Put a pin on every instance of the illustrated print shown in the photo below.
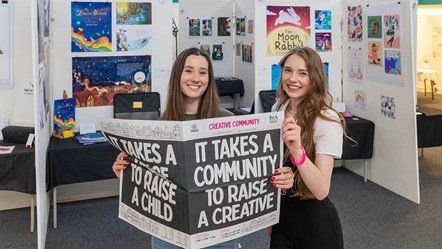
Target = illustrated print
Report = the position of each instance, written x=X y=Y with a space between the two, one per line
x=323 y=19
x=374 y=53
x=388 y=107
x=392 y=37
x=354 y=23
x=374 y=27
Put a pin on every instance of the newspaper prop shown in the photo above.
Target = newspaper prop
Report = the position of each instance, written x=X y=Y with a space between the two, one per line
x=202 y=182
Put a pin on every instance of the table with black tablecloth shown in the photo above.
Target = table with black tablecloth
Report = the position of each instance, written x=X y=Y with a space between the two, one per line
x=230 y=86
x=71 y=162
x=362 y=131
x=17 y=172
x=429 y=131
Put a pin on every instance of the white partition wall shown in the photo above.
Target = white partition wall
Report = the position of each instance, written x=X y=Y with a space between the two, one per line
x=388 y=99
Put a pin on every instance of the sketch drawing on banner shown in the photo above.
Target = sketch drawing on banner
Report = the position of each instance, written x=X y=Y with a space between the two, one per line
x=131 y=13
x=392 y=37
x=360 y=100
x=323 y=19
x=91 y=27
x=374 y=27
x=134 y=39
x=355 y=65
x=392 y=62
x=354 y=23
x=287 y=27
x=388 y=107
x=224 y=26
x=96 y=85
x=375 y=53
x=42 y=95
x=207 y=179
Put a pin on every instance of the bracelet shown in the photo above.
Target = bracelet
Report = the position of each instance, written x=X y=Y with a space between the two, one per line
x=304 y=156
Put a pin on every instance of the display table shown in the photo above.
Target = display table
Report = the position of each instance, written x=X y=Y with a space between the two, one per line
x=362 y=131
x=71 y=162
x=429 y=131
x=230 y=86
x=17 y=172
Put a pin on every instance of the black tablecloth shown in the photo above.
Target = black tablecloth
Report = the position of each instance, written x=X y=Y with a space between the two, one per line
x=17 y=169
x=362 y=131
x=429 y=131
x=228 y=86
x=71 y=162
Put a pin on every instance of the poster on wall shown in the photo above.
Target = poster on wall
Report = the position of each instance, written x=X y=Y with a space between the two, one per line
x=134 y=38
x=360 y=100
x=388 y=107
x=355 y=65
x=95 y=80
x=206 y=27
x=323 y=19
x=134 y=13
x=241 y=26
x=384 y=52
x=326 y=67
x=5 y=47
x=247 y=53
x=47 y=17
x=207 y=180
x=287 y=27
x=194 y=27
x=224 y=26
x=91 y=27
x=205 y=47
x=41 y=30
x=217 y=52
x=323 y=42
x=354 y=23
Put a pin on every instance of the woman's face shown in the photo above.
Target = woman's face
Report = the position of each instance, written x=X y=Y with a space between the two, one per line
x=195 y=76
x=295 y=77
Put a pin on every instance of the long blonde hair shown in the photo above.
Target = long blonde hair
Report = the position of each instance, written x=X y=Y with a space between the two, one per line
x=316 y=100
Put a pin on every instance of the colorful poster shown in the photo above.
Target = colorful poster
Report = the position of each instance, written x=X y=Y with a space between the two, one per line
x=354 y=23
x=241 y=26
x=326 y=71
x=207 y=27
x=360 y=100
x=323 y=19
x=91 y=29
x=217 y=53
x=392 y=62
x=374 y=27
x=134 y=38
x=392 y=38
x=323 y=42
x=247 y=53
x=224 y=26
x=95 y=80
x=276 y=74
x=355 y=65
x=287 y=27
x=194 y=27
x=375 y=53
x=133 y=13
x=64 y=113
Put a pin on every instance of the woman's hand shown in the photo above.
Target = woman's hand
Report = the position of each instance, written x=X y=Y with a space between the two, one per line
x=120 y=164
x=291 y=135
x=284 y=178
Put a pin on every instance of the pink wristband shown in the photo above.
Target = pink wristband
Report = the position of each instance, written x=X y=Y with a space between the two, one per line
x=304 y=156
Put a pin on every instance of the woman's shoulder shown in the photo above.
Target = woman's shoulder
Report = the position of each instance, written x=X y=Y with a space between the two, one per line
x=223 y=112
x=329 y=113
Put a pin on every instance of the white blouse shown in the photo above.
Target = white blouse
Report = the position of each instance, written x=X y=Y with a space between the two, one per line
x=327 y=135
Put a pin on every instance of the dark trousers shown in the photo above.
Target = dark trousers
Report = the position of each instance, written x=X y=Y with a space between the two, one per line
x=307 y=224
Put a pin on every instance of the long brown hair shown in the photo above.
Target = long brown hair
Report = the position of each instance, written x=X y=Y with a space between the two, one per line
x=316 y=100
x=209 y=104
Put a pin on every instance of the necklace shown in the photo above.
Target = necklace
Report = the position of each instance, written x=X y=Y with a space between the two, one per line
x=291 y=110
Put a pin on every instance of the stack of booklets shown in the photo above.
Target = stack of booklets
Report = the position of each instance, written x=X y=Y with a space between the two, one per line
x=91 y=138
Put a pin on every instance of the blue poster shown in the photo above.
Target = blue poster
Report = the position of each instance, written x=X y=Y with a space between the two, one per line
x=276 y=74
x=91 y=29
